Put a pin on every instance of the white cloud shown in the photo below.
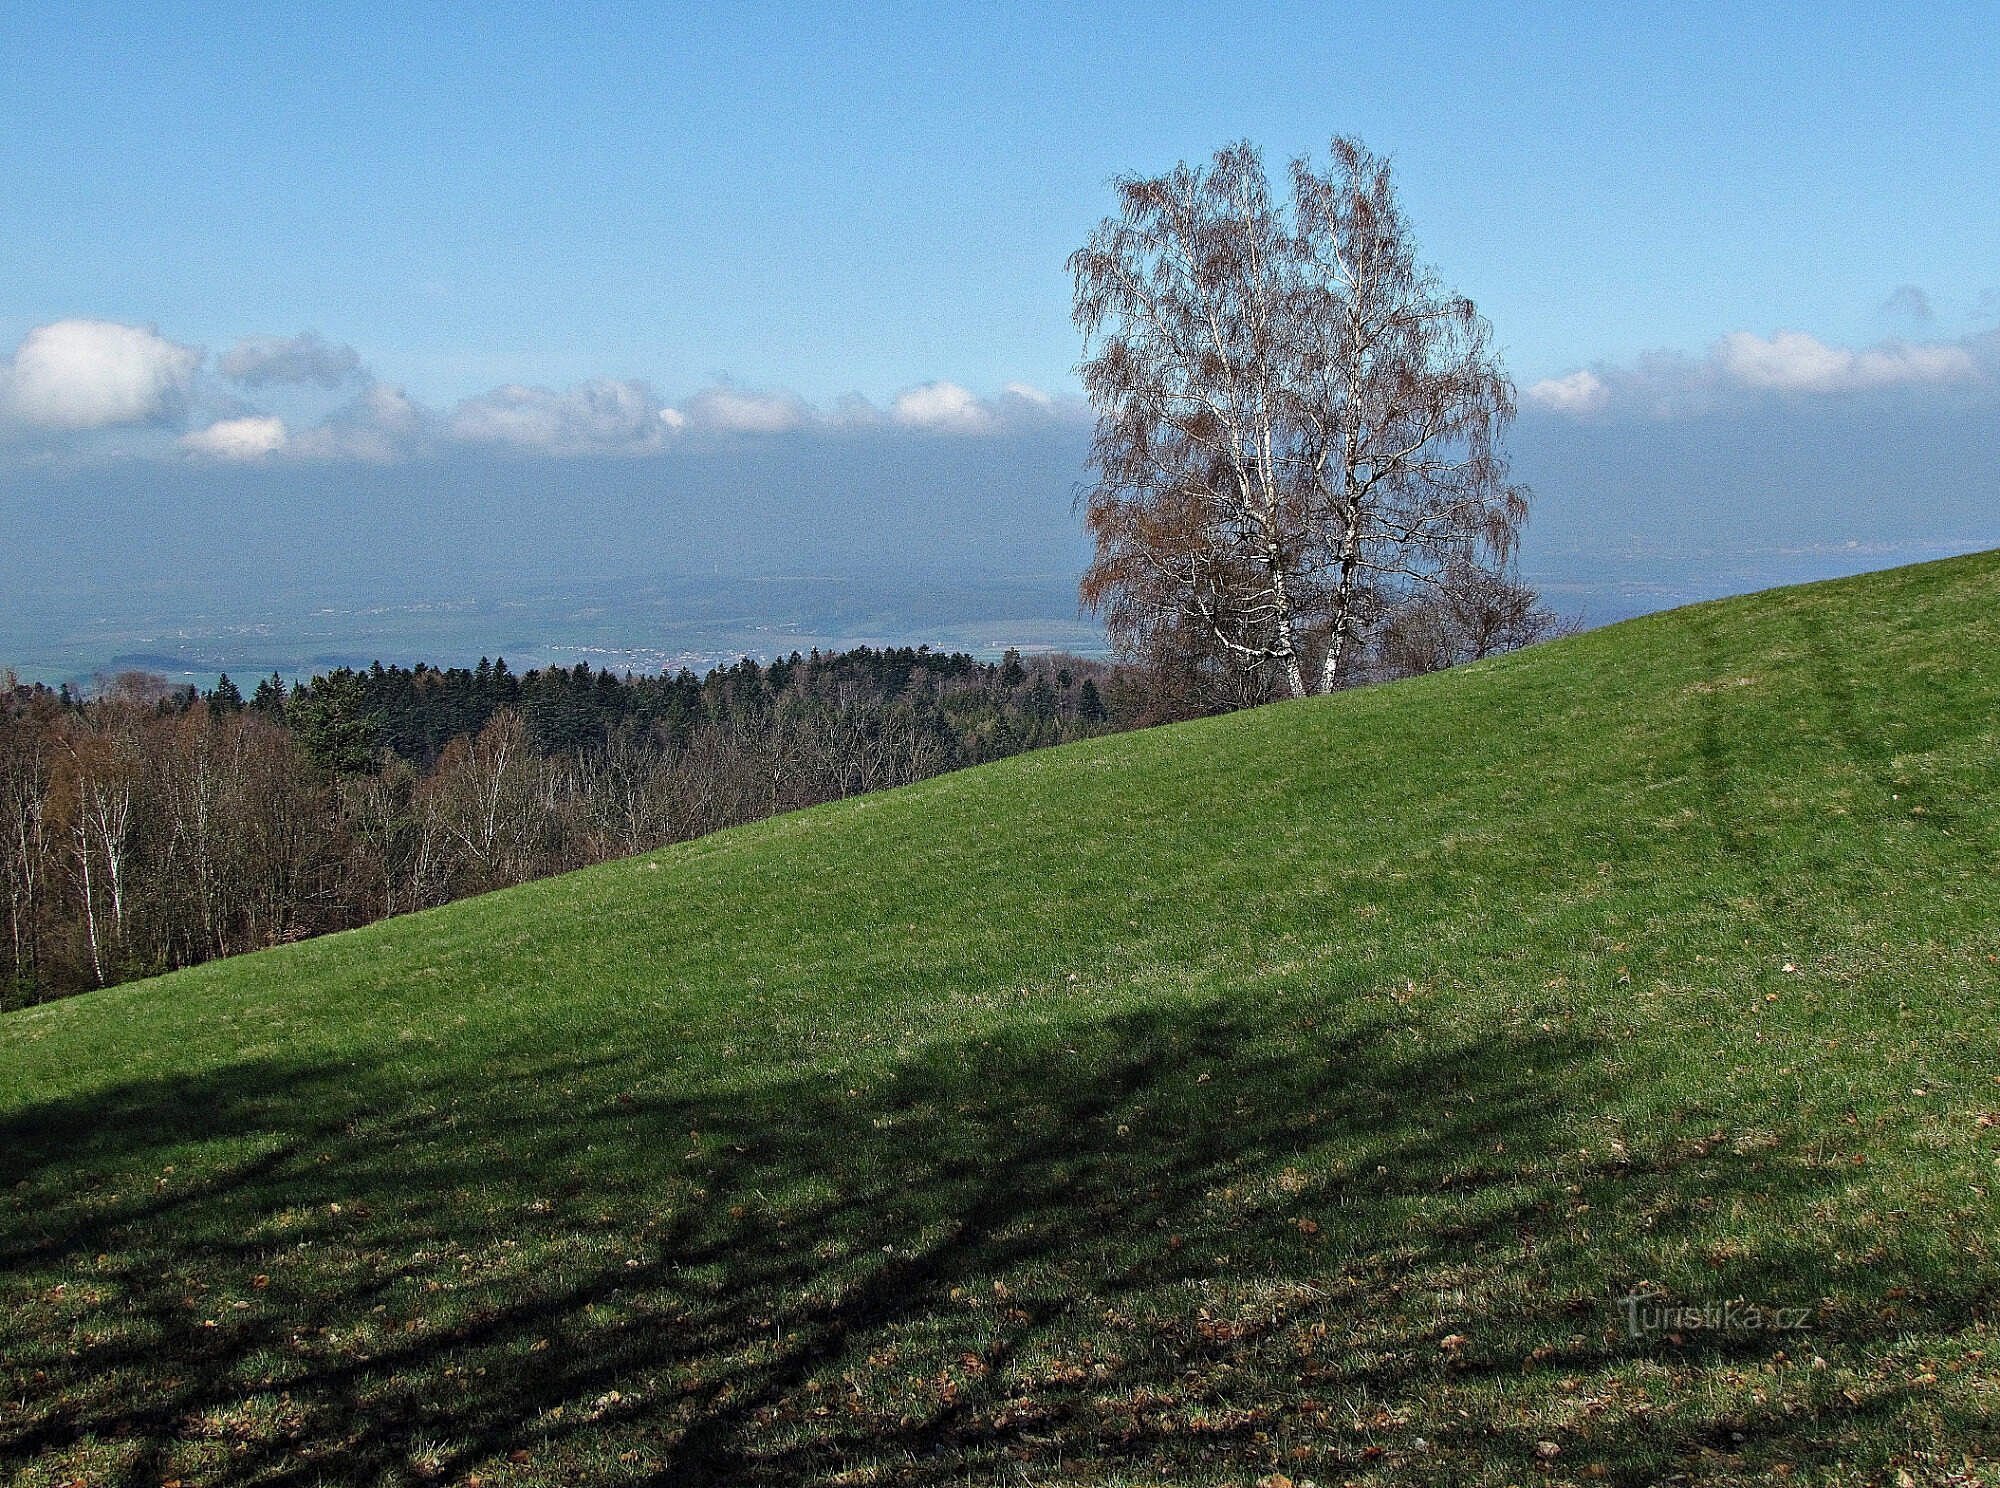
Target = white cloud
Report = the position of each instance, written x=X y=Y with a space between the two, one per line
x=1021 y=402
x=248 y=438
x=1579 y=392
x=73 y=377
x=938 y=407
x=728 y=409
x=92 y=374
x=1794 y=362
x=602 y=416
x=943 y=406
x=1742 y=368
x=379 y=425
x=262 y=361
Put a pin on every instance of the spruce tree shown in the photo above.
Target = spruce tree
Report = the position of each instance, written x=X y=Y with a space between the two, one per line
x=270 y=697
x=334 y=724
x=1089 y=706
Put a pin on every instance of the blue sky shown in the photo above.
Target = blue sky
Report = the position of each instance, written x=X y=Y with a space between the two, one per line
x=845 y=198
x=348 y=278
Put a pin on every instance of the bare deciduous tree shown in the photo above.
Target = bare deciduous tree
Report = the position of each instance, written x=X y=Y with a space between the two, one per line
x=1471 y=614
x=102 y=779
x=1297 y=424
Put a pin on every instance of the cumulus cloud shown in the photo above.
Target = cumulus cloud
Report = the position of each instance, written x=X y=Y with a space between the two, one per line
x=728 y=409
x=603 y=416
x=250 y=437
x=942 y=406
x=1794 y=362
x=1743 y=367
x=307 y=358
x=74 y=377
x=93 y=374
x=1578 y=392
x=378 y=425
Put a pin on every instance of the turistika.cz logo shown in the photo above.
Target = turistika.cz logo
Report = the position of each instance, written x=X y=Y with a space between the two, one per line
x=1650 y=1314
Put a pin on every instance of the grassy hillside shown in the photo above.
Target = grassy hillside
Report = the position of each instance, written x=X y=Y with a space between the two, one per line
x=1289 y=1095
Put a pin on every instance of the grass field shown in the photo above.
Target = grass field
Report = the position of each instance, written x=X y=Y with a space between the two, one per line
x=1291 y=1096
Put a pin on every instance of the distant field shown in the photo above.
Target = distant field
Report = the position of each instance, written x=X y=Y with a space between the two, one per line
x=1292 y=1096
x=697 y=621
x=182 y=630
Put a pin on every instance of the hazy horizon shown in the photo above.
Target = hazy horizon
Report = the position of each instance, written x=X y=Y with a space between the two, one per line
x=696 y=555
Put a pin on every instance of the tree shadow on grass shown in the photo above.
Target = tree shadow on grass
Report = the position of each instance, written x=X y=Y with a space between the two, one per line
x=1205 y=1245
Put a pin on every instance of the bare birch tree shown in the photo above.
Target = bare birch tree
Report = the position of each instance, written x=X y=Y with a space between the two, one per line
x=1297 y=424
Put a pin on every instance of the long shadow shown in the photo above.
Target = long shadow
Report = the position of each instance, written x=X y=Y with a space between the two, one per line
x=1164 y=1245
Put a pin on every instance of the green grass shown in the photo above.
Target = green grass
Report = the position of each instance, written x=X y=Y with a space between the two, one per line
x=1294 y=1093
